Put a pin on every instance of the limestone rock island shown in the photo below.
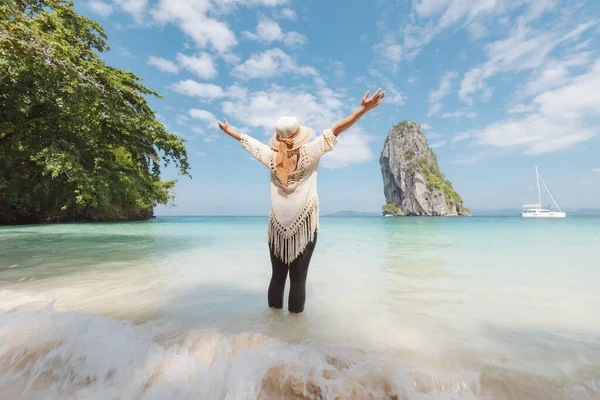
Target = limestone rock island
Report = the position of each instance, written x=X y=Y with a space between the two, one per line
x=412 y=181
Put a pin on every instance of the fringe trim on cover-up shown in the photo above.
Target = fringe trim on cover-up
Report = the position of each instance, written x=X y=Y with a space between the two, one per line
x=288 y=244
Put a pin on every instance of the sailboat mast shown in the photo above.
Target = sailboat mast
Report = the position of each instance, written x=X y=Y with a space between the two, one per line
x=537 y=181
x=551 y=195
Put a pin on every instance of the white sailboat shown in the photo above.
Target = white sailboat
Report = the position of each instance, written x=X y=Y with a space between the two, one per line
x=536 y=210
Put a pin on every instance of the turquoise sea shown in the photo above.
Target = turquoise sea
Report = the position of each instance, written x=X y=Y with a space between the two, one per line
x=397 y=308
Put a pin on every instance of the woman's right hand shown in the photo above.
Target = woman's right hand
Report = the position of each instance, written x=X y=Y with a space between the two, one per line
x=224 y=126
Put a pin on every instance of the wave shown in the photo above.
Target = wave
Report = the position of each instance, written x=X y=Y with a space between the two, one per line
x=54 y=354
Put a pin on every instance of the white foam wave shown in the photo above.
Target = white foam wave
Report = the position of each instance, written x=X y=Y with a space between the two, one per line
x=52 y=354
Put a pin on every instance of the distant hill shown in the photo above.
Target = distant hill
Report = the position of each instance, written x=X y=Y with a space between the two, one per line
x=349 y=213
x=517 y=211
x=505 y=212
x=586 y=211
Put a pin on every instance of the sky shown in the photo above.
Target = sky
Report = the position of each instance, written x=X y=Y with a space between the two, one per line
x=499 y=86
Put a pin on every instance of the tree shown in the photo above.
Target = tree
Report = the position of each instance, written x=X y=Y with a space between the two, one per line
x=391 y=209
x=78 y=140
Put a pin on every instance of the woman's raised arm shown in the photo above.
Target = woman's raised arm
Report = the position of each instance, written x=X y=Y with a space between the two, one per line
x=224 y=126
x=367 y=104
x=258 y=150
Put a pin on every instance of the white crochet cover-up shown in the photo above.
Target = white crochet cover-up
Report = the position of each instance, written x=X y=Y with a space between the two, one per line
x=294 y=217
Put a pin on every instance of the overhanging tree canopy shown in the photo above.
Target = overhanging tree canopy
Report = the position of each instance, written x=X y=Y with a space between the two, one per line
x=78 y=140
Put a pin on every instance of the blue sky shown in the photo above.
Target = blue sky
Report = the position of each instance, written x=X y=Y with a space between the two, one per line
x=498 y=85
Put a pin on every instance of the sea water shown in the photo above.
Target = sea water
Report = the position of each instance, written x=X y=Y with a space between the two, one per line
x=397 y=308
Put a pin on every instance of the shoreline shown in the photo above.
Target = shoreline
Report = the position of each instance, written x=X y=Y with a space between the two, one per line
x=61 y=220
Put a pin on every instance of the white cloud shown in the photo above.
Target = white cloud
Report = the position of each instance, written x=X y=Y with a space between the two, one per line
x=430 y=18
x=136 y=8
x=182 y=119
x=521 y=108
x=191 y=17
x=237 y=92
x=583 y=45
x=266 y=30
x=260 y=109
x=201 y=65
x=556 y=73
x=538 y=8
x=392 y=95
x=586 y=181
x=478 y=30
x=288 y=13
x=230 y=58
x=436 y=97
x=426 y=127
x=319 y=109
x=434 y=108
x=562 y=117
x=192 y=88
x=200 y=154
x=125 y=52
x=270 y=63
x=100 y=8
x=596 y=170
x=198 y=19
x=339 y=69
x=428 y=8
x=353 y=148
x=163 y=64
x=294 y=39
x=457 y=114
x=203 y=115
x=523 y=49
x=269 y=31
x=198 y=131
x=579 y=30
x=250 y=3
x=390 y=52
x=437 y=144
x=210 y=138
x=472 y=158
x=460 y=137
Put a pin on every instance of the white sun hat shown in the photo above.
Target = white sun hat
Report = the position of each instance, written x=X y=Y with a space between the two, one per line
x=288 y=129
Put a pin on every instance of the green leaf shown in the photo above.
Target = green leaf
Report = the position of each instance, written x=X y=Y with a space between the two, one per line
x=78 y=139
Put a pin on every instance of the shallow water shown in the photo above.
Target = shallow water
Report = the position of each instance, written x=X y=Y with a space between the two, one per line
x=407 y=308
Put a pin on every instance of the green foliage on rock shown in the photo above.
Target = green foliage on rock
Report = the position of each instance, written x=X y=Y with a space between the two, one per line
x=78 y=140
x=400 y=125
x=410 y=169
x=391 y=209
x=437 y=180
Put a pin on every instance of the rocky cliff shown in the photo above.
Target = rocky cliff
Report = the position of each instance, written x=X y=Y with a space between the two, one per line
x=412 y=181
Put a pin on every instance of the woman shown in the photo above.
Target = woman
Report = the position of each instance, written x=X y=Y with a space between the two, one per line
x=294 y=216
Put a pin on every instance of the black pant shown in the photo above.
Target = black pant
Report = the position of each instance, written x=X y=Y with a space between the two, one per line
x=298 y=272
